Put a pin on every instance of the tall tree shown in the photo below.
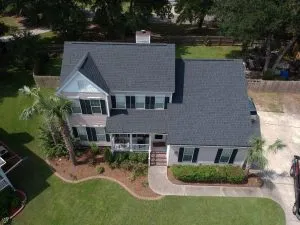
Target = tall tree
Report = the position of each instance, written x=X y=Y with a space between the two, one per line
x=192 y=11
x=249 y=20
x=52 y=108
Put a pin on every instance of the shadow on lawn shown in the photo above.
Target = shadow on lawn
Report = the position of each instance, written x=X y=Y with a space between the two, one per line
x=32 y=174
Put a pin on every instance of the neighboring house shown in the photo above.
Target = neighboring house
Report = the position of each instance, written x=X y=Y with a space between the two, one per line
x=138 y=97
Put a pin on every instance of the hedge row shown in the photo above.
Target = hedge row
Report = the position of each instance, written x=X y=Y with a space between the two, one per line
x=209 y=174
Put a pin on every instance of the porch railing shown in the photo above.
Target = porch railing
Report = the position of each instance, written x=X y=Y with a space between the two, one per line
x=140 y=147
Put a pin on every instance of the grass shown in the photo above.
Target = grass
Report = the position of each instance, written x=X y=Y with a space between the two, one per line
x=9 y=21
x=207 y=52
x=51 y=201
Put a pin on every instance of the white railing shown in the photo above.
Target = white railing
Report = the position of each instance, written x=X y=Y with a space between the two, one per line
x=140 y=147
x=121 y=147
x=3 y=184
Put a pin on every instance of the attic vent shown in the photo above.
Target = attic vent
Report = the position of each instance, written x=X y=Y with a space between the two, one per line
x=142 y=37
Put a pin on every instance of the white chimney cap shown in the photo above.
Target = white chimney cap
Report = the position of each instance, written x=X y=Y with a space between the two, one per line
x=142 y=37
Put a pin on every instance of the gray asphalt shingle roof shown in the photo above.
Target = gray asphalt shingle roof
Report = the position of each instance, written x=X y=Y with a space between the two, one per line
x=125 y=66
x=211 y=104
x=137 y=121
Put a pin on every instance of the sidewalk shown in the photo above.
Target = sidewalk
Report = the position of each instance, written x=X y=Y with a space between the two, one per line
x=160 y=184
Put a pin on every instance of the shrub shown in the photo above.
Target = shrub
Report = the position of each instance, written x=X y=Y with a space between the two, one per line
x=209 y=174
x=127 y=165
x=119 y=157
x=139 y=157
x=139 y=169
x=108 y=157
x=8 y=200
x=114 y=165
x=100 y=169
x=94 y=148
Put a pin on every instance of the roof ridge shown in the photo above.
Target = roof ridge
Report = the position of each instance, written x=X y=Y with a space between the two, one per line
x=114 y=43
x=214 y=60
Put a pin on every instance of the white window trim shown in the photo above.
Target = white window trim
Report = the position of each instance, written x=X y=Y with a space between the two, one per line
x=118 y=95
x=144 y=101
x=104 y=134
x=226 y=149
x=98 y=99
x=159 y=96
x=187 y=154
x=85 y=132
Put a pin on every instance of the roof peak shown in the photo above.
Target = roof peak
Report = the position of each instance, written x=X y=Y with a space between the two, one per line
x=114 y=43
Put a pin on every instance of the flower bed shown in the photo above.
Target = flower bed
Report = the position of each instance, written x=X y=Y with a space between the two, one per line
x=11 y=204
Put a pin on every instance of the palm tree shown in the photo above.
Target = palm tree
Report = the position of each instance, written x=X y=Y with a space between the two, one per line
x=256 y=153
x=53 y=109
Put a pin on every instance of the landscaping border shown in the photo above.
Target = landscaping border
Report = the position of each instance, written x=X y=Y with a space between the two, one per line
x=22 y=206
x=106 y=178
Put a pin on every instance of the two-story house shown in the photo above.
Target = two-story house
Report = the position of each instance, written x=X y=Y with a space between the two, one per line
x=138 y=97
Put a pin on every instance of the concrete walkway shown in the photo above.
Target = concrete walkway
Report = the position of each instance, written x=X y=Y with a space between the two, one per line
x=159 y=183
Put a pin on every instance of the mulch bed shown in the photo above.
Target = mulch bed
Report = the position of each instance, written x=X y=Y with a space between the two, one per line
x=65 y=168
x=253 y=181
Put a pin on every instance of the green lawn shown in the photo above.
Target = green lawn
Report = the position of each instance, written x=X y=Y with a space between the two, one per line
x=9 y=21
x=53 y=202
x=207 y=52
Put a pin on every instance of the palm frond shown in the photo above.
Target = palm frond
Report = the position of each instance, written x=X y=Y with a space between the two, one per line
x=276 y=146
x=28 y=113
x=32 y=92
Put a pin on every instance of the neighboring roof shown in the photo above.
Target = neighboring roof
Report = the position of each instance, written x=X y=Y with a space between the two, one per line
x=90 y=70
x=211 y=104
x=124 y=66
x=137 y=121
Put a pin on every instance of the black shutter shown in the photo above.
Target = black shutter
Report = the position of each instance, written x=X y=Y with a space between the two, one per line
x=83 y=108
x=107 y=137
x=94 y=135
x=180 y=155
x=103 y=107
x=127 y=102
x=88 y=107
x=152 y=102
x=75 y=133
x=218 y=156
x=167 y=99
x=195 y=156
x=113 y=102
x=232 y=157
x=132 y=99
x=147 y=102
x=89 y=133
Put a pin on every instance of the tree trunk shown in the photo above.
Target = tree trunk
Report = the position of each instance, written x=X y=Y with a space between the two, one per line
x=66 y=137
x=52 y=132
x=268 y=54
x=279 y=57
x=200 y=22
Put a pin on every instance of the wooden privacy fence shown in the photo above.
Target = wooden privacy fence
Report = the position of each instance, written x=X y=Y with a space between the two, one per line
x=46 y=81
x=273 y=85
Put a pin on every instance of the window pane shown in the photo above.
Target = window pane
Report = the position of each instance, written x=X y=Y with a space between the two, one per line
x=76 y=106
x=101 y=138
x=82 y=133
x=226 y=153
x=120 y=102
x=187 y=154
x=139 y=102
x=100 y=130
x=159 y=102
x=96 y=109
x=81 y=84
x=95 y=102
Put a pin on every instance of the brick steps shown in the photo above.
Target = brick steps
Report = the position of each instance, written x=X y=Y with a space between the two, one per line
x=158 y=158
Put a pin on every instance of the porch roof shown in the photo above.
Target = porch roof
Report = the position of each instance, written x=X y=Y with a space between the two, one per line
x=137 y=121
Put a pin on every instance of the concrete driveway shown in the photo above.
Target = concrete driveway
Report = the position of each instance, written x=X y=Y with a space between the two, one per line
x=285 y=126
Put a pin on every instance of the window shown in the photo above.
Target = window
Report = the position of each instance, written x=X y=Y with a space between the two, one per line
x=120 y=102
x=158 y=136
x=96 y=106
x=159 y=102
x=76 y=106
x=188 y=154
x=140 y=102
x=226 y=154
x=100 y=132
x=82 y=133
x=81 y=84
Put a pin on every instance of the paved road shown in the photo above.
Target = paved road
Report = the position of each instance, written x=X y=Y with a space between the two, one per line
x=278 y=185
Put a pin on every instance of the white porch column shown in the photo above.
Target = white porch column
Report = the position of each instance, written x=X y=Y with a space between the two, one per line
x=150 y=149
x=130 y=142
x=168 y=154
x=2 y=174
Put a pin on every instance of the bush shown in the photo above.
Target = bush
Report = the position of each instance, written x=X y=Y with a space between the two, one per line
x=108 y=157
x=139 y=157
x=114 y=165
x=119 y=157
x=139 y=169
x=8 y=200
x=268 y=75
x=100 y=169
x=127 y=165
x=94 y=148
x=209 y=174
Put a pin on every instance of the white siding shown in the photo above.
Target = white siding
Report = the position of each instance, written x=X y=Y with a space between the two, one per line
x=88 y=86
x=206 y=155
